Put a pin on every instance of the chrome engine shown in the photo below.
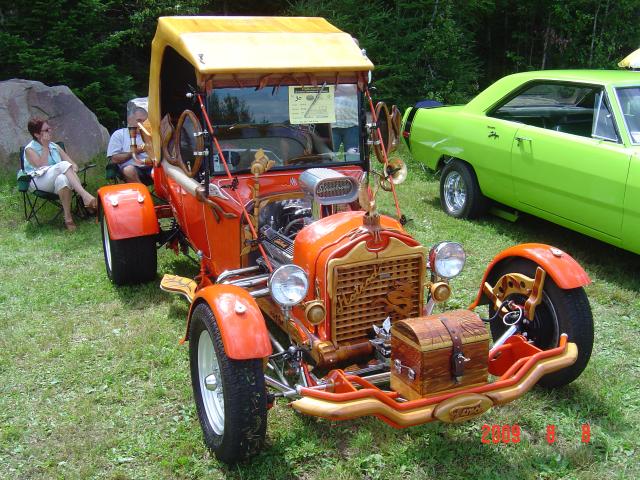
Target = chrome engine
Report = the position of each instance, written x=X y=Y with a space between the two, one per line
x=282 y=220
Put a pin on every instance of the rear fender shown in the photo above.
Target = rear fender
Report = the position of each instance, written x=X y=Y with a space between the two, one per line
x=559 y=265
x=129 y=210
x=240 y=321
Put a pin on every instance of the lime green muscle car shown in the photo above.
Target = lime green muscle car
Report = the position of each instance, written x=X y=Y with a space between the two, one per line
x=561 y=145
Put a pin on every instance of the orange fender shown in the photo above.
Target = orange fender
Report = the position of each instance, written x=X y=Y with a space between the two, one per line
x=129 y=210
x=240 y=321
x=563 y=269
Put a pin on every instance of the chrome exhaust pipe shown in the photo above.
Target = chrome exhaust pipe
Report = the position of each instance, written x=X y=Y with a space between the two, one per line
x=249 y=282
x=237 y=272
x=287 y=392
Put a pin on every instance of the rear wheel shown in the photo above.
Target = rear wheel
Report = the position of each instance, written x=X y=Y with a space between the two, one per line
x=460 y=194
x=561 y=311
x=131 y=260
x=230 y=395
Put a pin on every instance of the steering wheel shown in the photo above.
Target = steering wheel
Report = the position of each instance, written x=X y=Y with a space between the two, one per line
x=188 y=147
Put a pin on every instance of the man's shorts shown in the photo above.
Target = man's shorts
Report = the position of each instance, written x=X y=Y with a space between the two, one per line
x=144 y=173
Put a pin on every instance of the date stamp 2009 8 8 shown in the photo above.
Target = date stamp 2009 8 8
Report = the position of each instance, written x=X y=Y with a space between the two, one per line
x=494 y=434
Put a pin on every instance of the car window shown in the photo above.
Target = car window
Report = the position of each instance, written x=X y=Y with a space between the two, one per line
x=629 y=99
x=562 y=107
x=603 y=126
x=549 y=94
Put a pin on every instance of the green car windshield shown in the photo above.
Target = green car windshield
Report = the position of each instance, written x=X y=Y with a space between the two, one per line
x=295 y=126
x=629 y=98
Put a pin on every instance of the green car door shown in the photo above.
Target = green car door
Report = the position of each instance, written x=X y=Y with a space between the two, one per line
x=573 y=168
x=576 y=178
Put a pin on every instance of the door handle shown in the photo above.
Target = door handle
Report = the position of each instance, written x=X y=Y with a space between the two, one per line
x=522 y=139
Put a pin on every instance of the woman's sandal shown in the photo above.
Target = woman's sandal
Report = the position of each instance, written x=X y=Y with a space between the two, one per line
x=70 y=225
x=92 y=206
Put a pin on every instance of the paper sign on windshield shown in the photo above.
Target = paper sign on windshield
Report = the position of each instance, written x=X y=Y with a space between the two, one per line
x=310 y=104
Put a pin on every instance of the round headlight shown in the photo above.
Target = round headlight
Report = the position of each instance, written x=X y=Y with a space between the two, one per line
x=288 y=285
x=447 y=259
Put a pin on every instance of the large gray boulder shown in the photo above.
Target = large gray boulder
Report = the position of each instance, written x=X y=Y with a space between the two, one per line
x=72 y=122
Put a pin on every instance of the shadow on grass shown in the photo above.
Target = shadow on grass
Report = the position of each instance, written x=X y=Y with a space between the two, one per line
x=607 y=261
x=594 y=408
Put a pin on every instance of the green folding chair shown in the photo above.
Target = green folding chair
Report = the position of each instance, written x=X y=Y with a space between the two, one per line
x=112 y=173
x=34 y=199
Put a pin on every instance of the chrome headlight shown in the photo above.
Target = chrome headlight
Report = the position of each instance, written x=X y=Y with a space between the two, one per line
x=447 y=259
x=288 y=285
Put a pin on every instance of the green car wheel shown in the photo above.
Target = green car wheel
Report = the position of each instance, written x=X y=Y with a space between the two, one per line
x=460 y=194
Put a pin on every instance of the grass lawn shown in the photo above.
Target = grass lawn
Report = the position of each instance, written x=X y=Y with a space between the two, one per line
x=93 y=383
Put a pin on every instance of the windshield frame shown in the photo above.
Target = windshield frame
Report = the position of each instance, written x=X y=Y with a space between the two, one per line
x=624 y=119
x=363 y=151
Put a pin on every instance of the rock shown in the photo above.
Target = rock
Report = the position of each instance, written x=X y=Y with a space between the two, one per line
x=72 y=122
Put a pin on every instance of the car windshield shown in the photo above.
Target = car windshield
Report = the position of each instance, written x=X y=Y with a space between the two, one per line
x=295 y=126
x=629 y=98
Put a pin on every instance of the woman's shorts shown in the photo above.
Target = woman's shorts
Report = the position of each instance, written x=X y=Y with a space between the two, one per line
x=53 y=179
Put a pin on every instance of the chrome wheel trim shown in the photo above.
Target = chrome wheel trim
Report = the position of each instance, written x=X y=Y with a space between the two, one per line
x=210 y=383
x=106 y=243
x=455 y=192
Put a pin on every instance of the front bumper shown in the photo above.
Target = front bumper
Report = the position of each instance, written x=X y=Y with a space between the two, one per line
x=347 y=402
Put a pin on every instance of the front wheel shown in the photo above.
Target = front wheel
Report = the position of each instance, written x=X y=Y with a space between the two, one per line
x=230 y=395
x=130 y=260
x=460 y=194
x=561 y=311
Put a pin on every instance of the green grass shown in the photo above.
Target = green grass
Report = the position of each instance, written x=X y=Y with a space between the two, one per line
x=93 y=383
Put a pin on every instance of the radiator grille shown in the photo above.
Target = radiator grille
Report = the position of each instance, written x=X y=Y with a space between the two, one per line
x=366 y=294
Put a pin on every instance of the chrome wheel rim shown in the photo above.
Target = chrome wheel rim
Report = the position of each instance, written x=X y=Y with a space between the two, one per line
x=455 y=192
x=210 y=383
x=106 y=243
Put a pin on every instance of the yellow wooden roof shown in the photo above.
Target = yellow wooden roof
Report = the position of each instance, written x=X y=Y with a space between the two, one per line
x=241 y=45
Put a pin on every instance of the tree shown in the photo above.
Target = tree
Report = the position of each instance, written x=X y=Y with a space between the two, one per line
x=417 y=46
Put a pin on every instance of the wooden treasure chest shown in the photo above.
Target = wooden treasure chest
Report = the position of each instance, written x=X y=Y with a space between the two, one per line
x=439 y=352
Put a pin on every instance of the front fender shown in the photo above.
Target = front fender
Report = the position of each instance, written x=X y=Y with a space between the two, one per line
x=240 y=321
x=129 y=210
x=563 y=269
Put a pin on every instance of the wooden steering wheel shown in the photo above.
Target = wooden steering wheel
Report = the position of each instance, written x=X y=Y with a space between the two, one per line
x=181 y=147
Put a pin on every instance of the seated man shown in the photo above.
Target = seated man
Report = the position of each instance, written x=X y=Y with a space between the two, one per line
x=132 y=165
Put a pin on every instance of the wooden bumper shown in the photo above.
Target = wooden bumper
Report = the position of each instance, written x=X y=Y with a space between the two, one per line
x=451 y=408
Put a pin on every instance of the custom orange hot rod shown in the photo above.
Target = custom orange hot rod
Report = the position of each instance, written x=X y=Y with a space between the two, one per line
x=260 y=132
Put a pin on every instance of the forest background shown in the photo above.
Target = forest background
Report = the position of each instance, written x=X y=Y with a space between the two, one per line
x=446 y=50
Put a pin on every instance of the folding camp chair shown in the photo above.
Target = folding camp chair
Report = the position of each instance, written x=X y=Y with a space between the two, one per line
x=112 y=173
x=34 y=200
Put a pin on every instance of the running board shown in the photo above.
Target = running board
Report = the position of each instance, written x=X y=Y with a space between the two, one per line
x=181 y=285
x=505 y=213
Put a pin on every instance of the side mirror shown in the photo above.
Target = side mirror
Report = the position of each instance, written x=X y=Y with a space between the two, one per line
x=188 y=144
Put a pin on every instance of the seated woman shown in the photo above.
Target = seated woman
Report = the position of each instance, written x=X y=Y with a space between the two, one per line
x=53 y=170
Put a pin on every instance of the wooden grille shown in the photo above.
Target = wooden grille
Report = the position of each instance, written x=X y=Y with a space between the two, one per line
x=366 y=294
